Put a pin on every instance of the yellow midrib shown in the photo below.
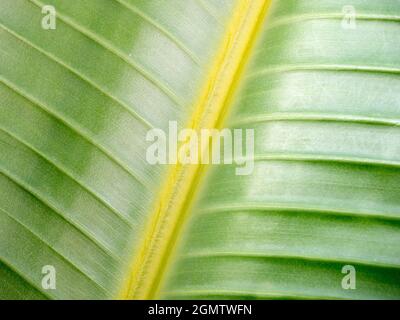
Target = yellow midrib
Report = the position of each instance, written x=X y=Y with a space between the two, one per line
x=150 y=264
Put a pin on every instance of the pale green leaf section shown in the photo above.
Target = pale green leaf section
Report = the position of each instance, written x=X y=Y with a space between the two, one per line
x=324 y=102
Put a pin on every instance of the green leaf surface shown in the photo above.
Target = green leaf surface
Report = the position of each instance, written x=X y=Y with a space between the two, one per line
x=324 y=102
x=77 y=193
x=75 y=106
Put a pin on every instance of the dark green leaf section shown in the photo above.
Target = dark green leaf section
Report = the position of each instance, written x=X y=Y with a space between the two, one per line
x=75 y=106
x=16 y=288
x=324 y=101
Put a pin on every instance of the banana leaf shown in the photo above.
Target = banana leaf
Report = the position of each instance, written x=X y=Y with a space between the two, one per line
x=84 y=81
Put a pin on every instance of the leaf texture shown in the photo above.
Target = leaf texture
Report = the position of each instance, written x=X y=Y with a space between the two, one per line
x=77 y=193
x=76 y=104
x=324 y=102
